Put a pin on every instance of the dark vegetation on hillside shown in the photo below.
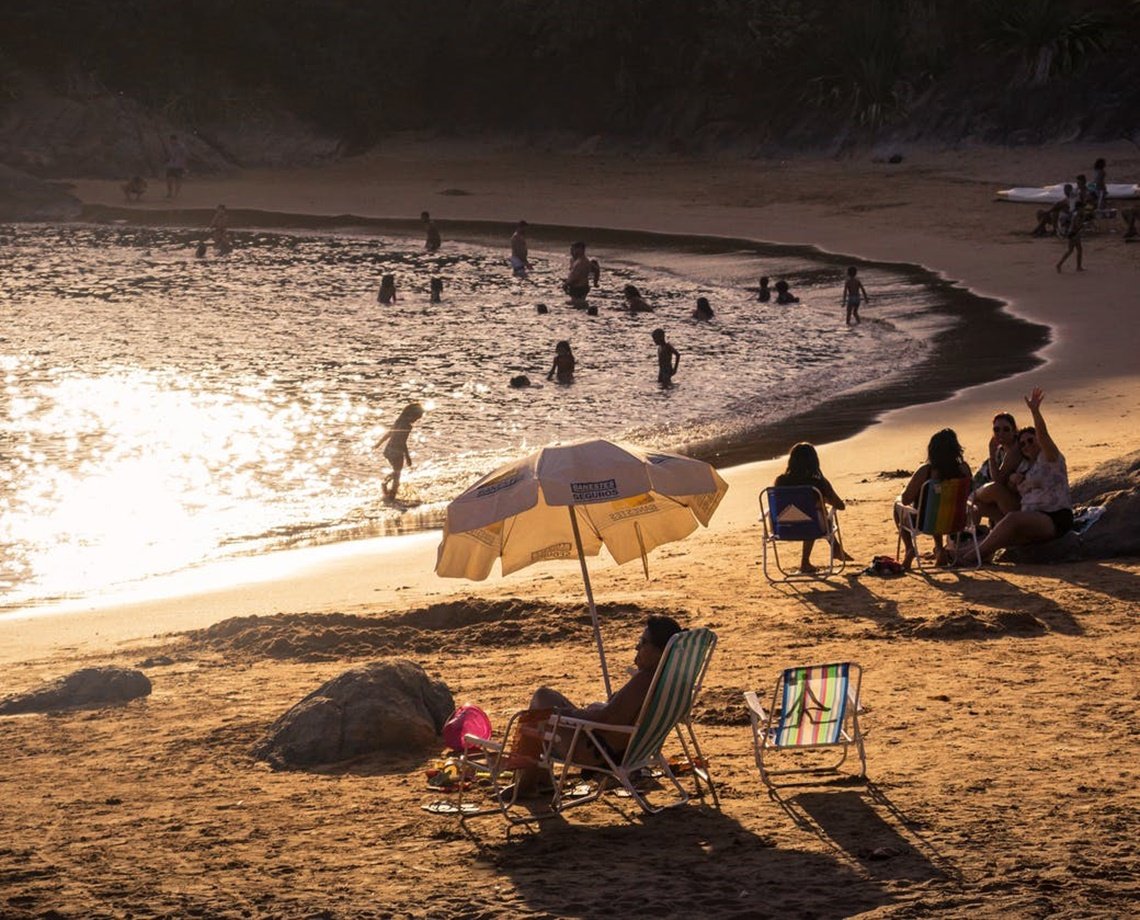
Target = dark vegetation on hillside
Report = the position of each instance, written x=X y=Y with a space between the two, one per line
x=795 y=72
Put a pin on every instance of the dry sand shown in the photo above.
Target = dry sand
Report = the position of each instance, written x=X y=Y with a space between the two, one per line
x=1001 y=705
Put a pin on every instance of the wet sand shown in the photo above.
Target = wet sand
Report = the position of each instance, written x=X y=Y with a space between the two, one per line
x=1000 y=704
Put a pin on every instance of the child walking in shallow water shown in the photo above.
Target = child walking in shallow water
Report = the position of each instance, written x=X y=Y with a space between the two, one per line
x=563 y=363
x=853 y=294
x=668 y=359
x=387 y=289
x=396 y=452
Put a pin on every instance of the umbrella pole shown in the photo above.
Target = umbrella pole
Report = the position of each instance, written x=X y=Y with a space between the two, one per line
x=590 y=599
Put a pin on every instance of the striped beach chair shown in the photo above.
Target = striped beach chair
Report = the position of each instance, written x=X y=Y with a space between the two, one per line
x=944 y=509
x=794 y=514
x=667 y=711
x=813 y=707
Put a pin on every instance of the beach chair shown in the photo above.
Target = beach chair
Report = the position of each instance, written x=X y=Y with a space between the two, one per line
x=793 y=514
x=488 y=768
x=945 y=509
x=667 y=710
x=812 y=707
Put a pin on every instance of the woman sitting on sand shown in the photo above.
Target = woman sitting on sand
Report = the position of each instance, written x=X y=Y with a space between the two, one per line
x=993 y=496
x=944 y=460
x=1046 y=511
x=803 y=470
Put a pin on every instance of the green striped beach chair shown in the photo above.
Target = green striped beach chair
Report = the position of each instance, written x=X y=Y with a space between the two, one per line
x=812 y=707
x=667 y=710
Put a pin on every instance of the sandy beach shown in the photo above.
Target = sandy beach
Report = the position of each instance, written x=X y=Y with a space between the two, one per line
x=1000 y=703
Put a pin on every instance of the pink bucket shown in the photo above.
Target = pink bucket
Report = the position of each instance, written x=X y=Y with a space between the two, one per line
x=466 y=720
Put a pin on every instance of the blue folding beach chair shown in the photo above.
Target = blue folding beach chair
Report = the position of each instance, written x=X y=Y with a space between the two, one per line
x=795 y=514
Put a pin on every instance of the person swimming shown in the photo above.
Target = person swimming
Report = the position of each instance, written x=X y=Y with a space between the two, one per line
x=634 y=301
x=563 y=366
x=436 y=290
x=703 y=310
x=765 y=294
x=784 y=294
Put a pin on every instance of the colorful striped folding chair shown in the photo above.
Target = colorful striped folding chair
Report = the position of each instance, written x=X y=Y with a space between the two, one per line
x=944 y=509
x=812 y=707
x=795 y=514
x=667 y=710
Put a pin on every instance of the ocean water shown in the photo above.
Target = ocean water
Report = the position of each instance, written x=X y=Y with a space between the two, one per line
x=159 y=410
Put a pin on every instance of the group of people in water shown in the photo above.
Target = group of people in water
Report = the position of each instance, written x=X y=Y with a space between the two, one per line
x=1018 y=496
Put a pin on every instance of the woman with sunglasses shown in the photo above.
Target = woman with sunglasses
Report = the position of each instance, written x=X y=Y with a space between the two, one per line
x=1046 y=511
x=993 y=496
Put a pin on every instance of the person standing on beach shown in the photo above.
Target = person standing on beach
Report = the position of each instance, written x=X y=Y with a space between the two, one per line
x=176 y=160
x=520 y=262
x=396 y=453
x=668 y=359
x=432 y=241
x=577 y=283
x=853 y=294
x=1073 y=238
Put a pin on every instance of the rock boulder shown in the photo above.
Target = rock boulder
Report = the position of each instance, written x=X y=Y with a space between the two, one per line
x=381 y=706
x=89 y=687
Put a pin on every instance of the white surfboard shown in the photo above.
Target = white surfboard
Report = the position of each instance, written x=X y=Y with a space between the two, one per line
x=1051 y=193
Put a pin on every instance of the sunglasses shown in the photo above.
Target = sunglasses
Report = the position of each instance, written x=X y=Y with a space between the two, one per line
x=1002 y=428
x=1022 y=442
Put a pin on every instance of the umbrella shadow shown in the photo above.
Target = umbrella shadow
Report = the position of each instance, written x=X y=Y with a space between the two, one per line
x=866 y=826
x=684 y=862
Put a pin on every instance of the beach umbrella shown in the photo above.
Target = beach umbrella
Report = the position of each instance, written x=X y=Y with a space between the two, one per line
x=568 y=502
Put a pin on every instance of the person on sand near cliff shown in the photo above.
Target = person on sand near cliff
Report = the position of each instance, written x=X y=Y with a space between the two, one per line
x=1046 y=511
x=577 y=283
x=432 y=240
x=1099 y=184
x=134 y=188
x=853 y=294
x=520 y=252
x=623 y=708
x=396 y=453
x=1048 y=218
x=176 y=160
x=1073 y=239
x=668 y=359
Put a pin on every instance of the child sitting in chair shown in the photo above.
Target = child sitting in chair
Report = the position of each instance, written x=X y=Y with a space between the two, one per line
x=803 y=470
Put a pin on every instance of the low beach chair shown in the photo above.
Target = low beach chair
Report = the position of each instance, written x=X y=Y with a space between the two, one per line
x=667 y=710
x=526 y=741
x=795 y=514
x=944 y=510
x=812 y=707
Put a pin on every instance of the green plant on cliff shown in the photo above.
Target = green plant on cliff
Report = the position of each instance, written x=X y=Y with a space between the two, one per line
x=1048 y=38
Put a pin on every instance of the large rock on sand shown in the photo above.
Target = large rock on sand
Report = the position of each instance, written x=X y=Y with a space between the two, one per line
x=382 y=706
x=24 y=197
x=89 y=687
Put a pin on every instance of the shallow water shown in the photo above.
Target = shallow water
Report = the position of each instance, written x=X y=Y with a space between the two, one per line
x=161 y=410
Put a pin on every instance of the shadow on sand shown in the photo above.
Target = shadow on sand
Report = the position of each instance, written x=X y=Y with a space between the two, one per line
x=684 y=862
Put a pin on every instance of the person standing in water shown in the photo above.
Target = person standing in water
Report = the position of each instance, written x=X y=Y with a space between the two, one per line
x=853 y=294
x=396 y=453
x=387 y=292
x=577 y=283
x=520 y=261
x=668 y=359
x=432 y=240
x=563 y=365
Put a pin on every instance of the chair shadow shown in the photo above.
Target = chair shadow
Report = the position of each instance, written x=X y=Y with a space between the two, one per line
x=866 y=826
x=995 y=590
x=687 y=861
x=852 y=600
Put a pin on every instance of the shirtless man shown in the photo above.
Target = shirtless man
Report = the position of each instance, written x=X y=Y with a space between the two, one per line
x=432 y=241
x=520 y=263
x=577 y=283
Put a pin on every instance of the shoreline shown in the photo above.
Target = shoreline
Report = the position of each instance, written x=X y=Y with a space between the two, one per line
x=937 y=375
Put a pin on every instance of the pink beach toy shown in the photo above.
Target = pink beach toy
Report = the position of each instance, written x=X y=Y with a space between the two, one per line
x=466 y=720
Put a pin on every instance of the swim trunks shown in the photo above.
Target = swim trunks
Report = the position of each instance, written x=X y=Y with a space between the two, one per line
x=577 y=290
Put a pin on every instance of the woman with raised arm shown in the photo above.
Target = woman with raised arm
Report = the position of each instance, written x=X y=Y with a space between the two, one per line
x=1046 y=511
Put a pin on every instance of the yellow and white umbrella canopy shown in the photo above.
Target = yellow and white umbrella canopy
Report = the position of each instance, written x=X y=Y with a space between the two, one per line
x=568 y=501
